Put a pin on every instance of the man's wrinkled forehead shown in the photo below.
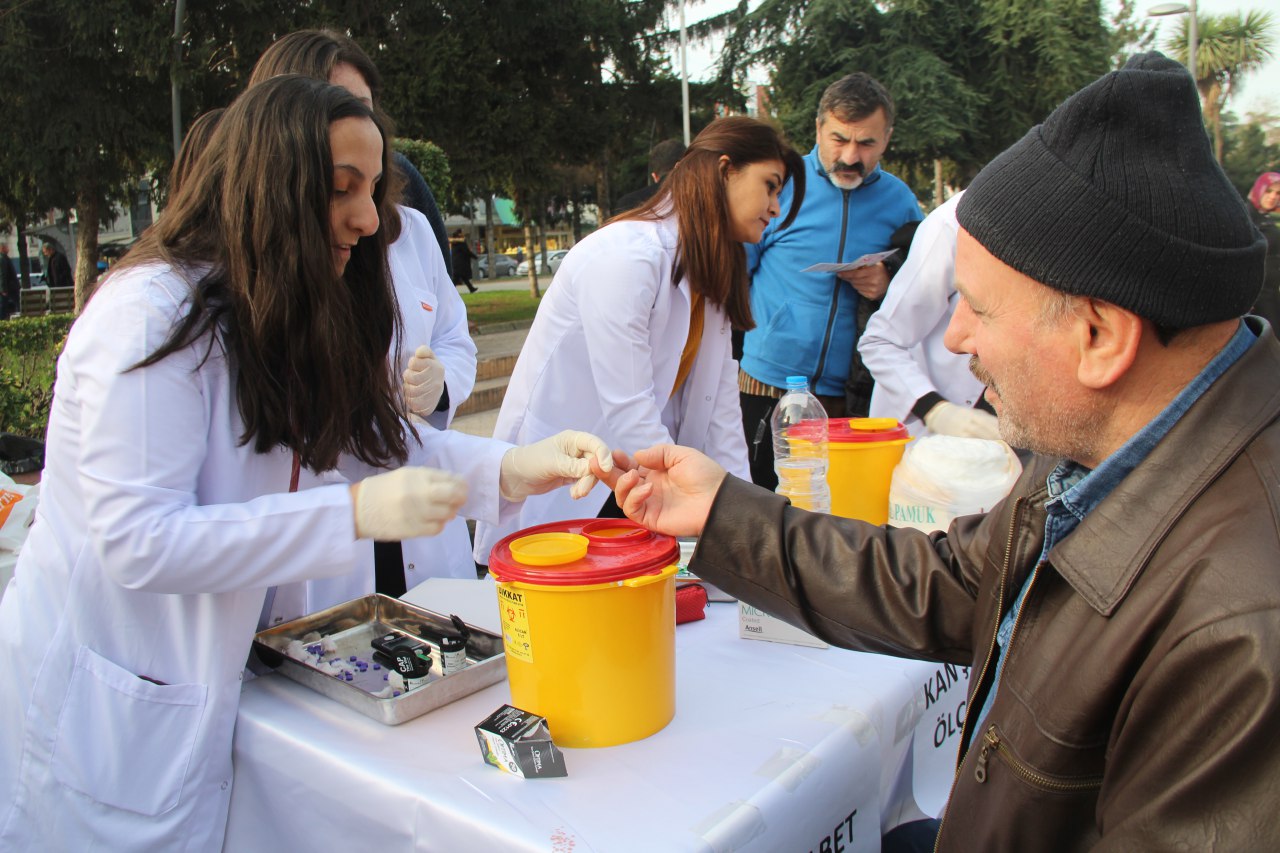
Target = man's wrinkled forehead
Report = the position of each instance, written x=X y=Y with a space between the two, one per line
x=867 y=130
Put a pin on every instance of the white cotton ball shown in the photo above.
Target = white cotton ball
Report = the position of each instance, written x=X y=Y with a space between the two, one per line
x=339 y=666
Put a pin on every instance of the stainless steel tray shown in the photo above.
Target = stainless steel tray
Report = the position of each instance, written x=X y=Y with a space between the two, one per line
x=345 y=631
x=687 y=546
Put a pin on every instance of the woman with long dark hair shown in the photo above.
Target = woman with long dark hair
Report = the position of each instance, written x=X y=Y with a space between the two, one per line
x=436 y=354
x=632 y=341
x=202 y=401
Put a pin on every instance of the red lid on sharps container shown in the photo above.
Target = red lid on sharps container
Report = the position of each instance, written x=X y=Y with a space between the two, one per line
x=846 y=430
x=582 y=552
x=851 y=430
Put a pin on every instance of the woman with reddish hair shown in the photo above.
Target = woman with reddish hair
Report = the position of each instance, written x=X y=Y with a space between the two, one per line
x=633 y=339
x=1264 y=206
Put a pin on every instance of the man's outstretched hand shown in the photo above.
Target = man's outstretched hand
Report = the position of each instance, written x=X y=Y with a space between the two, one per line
x=666 y=488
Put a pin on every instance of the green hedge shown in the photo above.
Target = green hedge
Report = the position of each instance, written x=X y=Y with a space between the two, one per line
x=29 y=348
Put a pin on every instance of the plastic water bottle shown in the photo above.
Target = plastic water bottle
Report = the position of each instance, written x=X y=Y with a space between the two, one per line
x=800 y=447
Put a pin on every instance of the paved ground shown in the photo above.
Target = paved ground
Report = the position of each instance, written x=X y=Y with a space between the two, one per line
x=480 y=423
x=510 y=283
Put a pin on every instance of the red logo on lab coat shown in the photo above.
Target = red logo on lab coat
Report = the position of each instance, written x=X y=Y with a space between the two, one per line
x=426 y=307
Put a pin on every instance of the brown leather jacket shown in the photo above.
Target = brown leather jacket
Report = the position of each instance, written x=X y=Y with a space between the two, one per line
x=1139 y=706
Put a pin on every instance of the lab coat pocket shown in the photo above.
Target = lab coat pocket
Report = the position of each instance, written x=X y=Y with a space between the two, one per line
x=124 y=741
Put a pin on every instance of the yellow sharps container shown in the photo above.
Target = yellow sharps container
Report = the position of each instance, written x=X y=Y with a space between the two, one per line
x=588 y=627
x=862 y=453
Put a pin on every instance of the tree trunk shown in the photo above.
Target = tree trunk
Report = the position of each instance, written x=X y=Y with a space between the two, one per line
x=602 y=187
x=534 y=292
x=542 y=241
x=24 y=259
x=1212 y=108
x=937 y=183
x=488 y=232
x=87 y=214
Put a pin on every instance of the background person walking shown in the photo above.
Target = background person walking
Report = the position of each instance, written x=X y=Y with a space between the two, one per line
x=463 y=255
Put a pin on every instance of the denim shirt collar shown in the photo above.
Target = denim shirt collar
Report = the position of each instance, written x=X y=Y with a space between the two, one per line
x=1075 y=490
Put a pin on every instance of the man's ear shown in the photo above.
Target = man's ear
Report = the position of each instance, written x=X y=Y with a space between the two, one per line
x=1108 y=337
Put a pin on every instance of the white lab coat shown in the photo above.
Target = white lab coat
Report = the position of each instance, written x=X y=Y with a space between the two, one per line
x=602 y=356
x=902 y=345
x=157 y=534
x=432 y=309
x=434 y=314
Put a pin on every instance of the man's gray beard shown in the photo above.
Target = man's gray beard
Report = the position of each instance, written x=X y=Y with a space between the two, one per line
x=846 y=176
x=1059 y=431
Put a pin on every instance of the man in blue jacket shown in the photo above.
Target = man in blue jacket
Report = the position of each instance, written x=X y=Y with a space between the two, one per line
x=808 y=323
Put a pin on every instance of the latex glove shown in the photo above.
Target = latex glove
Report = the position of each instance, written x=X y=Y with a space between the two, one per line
x=556 y=461
x=406 y=503
x=423 y=382
x=949 y=419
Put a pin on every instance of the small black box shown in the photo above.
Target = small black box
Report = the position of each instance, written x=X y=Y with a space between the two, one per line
x=519 y=742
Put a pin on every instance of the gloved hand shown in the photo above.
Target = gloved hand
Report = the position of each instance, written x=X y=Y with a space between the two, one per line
x=556 y=461
x=406 y=503
x=423 y=382
x=949 y=419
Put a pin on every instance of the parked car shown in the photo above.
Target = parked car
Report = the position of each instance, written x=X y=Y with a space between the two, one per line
x=552 y=264
x=505 y=265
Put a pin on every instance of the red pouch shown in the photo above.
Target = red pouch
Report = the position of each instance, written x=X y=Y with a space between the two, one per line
x=691 y=602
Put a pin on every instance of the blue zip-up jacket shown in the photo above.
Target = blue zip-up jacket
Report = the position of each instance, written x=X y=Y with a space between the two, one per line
x=806 y=323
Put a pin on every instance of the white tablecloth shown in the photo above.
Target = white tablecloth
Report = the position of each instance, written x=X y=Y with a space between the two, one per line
x=773 y=747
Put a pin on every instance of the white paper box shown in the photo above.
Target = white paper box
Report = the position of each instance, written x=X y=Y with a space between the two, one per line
x=755 y=624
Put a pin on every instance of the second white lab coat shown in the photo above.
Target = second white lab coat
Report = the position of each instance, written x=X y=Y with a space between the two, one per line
x=902 y=345
x=602 y=356
x=127 y=624
x=434 y=314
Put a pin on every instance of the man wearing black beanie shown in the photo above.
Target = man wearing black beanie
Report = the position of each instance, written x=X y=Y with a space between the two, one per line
x=1120 y=610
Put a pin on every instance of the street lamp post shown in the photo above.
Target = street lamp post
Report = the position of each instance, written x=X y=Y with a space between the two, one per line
x=175 y=93
x=684 y=73
x=1188 y=8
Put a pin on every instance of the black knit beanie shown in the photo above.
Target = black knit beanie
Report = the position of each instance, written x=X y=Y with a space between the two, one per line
x=1118 y=196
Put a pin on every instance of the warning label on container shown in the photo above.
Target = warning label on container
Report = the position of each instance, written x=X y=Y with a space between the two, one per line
x=515 y=624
